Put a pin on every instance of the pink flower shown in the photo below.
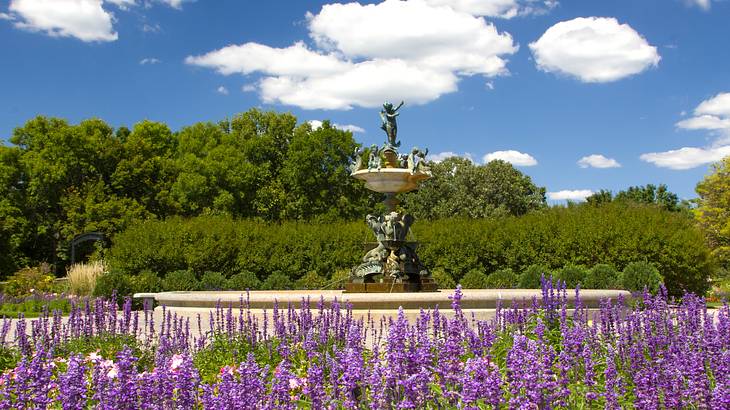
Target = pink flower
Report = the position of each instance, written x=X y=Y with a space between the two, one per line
x=113 y=372
x=93 y=357
x=227 y=369
x=177 y=361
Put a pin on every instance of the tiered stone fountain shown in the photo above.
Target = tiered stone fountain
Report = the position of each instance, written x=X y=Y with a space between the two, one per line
x=391 y=264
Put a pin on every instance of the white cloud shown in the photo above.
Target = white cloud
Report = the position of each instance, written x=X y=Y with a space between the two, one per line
x=598 y=161
x=438 y=157
x=703 y=4
x=85 y=20
x=712 y=115
x=348 y=127
x=570 y=195
x=497 y=8
x=222 y=90
x=5 y=16
x=248 y=88
x=122 y=4
x=149 y=60
x=489 y=85
x=516 y=158
x=177 y=4
x=686 y=157
x=594 y=50
x=151 y=28
x=357 y=63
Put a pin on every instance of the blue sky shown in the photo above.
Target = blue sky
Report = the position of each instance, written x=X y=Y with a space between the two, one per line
x=582 y=95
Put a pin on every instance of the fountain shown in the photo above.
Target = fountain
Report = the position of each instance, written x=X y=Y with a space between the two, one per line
x=390 y=264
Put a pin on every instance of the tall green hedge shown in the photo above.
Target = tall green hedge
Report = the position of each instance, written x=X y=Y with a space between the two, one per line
x=614 y=234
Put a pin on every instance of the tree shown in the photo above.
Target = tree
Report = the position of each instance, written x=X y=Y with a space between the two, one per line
x=460 y=188
x=647 y=195
x=713 y=210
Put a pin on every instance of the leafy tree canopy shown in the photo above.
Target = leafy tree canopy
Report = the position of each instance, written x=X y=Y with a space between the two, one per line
x=713 y=210
x=648 y=195
x=460 y=188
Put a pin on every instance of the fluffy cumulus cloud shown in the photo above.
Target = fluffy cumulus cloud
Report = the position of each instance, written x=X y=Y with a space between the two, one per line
x=711 y=115
x=85 y=20
x=687 y=157
x=222 y=90
x=594 y=50
x=357 y=63
x=123 y=4
x=515 y=158
x=498 y=8
x=348 y=127
x=570 y=195
x=598 y=161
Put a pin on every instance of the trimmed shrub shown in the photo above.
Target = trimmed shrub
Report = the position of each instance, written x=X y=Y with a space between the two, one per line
x=602 y=276
x=502 y=279
x=572 y=275
x=443 y=279
x=213 y=281
x=110 y=282
x=277 y=281
x=147 y=281
x=616 y=234
x=474 y=279
x=28 y=281
x=311 y=280
x=638 y=275
x=530 y=277
x=180 y=280
x=244 y=280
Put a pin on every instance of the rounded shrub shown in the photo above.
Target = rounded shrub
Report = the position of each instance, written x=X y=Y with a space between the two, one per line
x=147 y=281
x=244 y=280
x=531 y=276
x=602 y=276
x=29 y=280
x=180 y=280
x=572 y=275
x=311 y=280
x=443 y=279
x=277 y=281
x=638 y=275
x=502 y=279
x=109 y=282
x=474 y=279
x=213 y=281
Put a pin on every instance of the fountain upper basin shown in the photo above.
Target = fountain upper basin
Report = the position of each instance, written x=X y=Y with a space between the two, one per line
x=391 y=180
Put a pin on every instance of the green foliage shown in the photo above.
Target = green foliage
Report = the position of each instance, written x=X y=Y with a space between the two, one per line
x=147 y=282
x=180 y=280
x=530 y=277
x=443 y=279
x=107 y=346
x=34 y=306
x=311 y=280
x=502 y=279
x=647 y=195
x=638 y=275
x=602 y=276
x=59 y=180
x=460 y=188
x=112 y=281
x=244 y=280
x=474 y=279
x=28 y=281
x=713 y=210
x=277 y=281
x=615 y=234
x=213 y=281
x=572 y=275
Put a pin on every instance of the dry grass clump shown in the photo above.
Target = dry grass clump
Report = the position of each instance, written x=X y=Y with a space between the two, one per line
x=82 y=277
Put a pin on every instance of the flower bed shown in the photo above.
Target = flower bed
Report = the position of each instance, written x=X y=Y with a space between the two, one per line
x=647 y=357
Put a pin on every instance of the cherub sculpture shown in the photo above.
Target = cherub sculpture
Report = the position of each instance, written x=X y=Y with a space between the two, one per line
x=356 y=163
x=374 y=158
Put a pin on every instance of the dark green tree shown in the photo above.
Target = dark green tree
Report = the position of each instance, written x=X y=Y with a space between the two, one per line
x=460 y=188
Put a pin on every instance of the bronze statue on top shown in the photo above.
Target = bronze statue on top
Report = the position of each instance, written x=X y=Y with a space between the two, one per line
x=389 y=117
